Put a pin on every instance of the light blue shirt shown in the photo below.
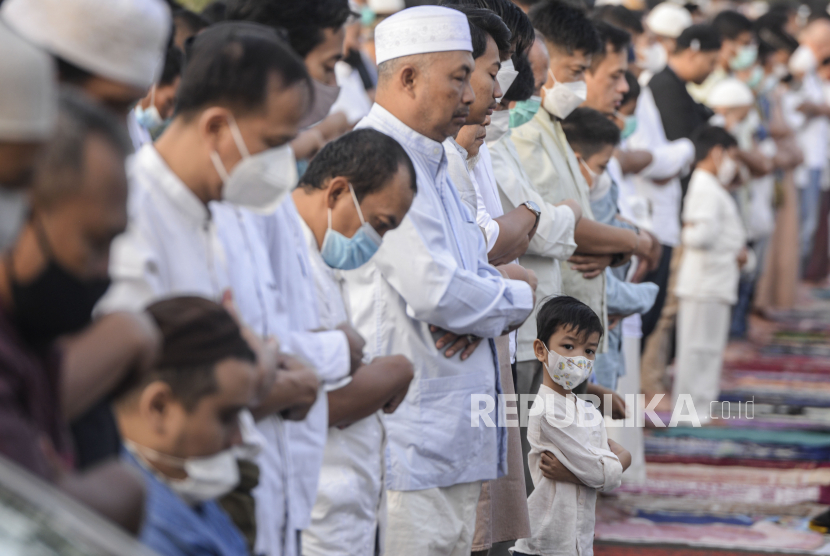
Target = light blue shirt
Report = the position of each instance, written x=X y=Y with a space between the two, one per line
x=433 y=270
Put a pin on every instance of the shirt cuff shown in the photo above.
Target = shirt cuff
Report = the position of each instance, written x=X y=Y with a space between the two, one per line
x=522 y=297
x=613 y=473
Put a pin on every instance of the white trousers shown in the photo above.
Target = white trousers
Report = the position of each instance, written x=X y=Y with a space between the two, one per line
x=432 y=522
x=702 y=333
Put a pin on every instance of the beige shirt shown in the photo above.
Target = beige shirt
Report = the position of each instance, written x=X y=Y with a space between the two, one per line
x=552 y=243
x=554 y=172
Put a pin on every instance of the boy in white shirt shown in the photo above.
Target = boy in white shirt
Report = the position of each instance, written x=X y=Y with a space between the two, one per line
x=572 y=430
x=714 y=242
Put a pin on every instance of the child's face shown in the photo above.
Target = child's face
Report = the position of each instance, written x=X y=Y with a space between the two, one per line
x=596 y=164
x=567 y=342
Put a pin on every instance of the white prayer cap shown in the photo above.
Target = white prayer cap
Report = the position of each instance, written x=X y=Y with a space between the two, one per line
x=668 y=20
x=28 y=90
x=730 y=93
x=121 y=40
x=421 y=30
x=386 y=7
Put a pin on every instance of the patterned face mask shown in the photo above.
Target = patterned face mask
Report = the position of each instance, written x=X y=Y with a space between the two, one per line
x=568 y=372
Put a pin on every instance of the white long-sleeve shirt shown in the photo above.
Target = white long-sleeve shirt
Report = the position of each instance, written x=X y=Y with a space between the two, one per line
x=554 y=238
x=293 y=450
x=669 y=159
x=349 y=514
x=562 y=514
x=713 y=236
x=433 y=270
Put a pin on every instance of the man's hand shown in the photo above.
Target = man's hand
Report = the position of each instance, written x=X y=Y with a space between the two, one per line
x=613 y=321
x=465 y=343
x=293 y=392
x=356 y=344
x=618 y=409
x=590 y=266
x=743 y=257
x=553 y=469
x=400 y=367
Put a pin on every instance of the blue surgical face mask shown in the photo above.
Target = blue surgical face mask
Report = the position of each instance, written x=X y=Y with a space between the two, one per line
x=524 y=111
x=630 y=127
x=149 y=118
x=347 y=253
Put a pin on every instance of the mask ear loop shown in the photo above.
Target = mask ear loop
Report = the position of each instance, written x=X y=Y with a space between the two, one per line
x=356 y=205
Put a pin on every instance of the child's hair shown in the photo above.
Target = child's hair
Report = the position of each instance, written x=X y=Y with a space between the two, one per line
x=589 y=131
x=633 y=89
x=707 y=137
x=566 y=311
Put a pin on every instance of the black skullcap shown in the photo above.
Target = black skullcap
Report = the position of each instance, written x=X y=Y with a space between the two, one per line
x=701 y=37
x=197 y=331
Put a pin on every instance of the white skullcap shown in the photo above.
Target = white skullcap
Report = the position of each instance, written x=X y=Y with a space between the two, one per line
x=421 y=30
x=28 y=90
x=729 y=93
x=121 y=40
x=386 y=7
x=668 y=20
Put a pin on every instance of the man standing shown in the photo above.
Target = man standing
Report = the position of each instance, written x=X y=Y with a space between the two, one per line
x=431 y=271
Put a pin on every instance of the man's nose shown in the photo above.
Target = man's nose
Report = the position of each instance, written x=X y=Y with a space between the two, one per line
x=468 y=96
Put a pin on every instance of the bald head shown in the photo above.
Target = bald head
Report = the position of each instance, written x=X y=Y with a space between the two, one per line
x=816 y=36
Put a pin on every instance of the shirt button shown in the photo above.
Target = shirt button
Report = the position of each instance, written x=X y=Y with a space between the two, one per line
x=436 y=150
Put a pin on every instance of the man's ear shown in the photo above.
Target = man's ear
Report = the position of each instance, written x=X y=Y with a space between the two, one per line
x=409 y=75
x=155 y=404
x=213 y=124
x=338 y=186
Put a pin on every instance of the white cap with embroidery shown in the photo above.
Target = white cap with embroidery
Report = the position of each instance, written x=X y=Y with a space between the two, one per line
x=121 y=40
x=422 y=30
x=668 y=20
x=28 y=90
x=730 y=93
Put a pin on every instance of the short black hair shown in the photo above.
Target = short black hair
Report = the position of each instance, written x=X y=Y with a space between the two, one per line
x=367 y=157
x=524 y=85
x=633 y=89
x=707 y=137
x=589 y=131
x=230 y=64
x=566 y=25
x=193 y=21
x=730 y=24
x=173 y=65
x=521 y=30
x=484 y=22
x=620 y=16
x=566 y=312
x=610 y=35
x=701 y=36
x=71 y=74
x=215 y=12
x=772 y=40
x=775 y=19
x=304 y=20
x=62 y=163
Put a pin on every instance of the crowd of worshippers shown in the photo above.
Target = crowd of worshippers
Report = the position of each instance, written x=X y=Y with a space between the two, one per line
x=264 y=264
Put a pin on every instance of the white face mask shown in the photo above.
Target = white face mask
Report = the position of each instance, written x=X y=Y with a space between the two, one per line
x=568 y=372
x=324 y=98
x=257 y=182
x=208 y=478
x=506 y=76
x=803 y=61
x=601 y=187
x=727 y=170
x=563 y=98
x=499 y=126
x=654 y=58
